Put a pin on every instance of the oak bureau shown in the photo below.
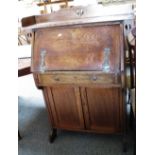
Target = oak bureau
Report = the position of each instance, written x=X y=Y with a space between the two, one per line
x=78 y=62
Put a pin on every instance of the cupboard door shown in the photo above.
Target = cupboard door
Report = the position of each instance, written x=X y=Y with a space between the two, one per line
x=66 y=107
x=102 y=112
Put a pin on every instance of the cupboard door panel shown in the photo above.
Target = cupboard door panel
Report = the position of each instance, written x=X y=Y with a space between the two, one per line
x=104 y=109
x=66 y=107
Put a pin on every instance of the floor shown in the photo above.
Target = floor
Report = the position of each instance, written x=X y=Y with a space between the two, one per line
x=34 y=129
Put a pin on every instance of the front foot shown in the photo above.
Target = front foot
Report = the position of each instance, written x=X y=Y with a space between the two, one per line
x=53 y=135
x=124 y=147
x=124 y=144
x=19 y=136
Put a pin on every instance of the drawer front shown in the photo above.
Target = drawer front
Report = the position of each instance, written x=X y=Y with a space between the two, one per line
x=77 y=78
x=89 y=47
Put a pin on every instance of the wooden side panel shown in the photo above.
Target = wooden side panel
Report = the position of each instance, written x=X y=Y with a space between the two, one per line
x=104 y=109
x=66 y=107
x=76 y=48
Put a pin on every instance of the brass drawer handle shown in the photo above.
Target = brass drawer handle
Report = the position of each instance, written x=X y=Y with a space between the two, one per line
x=93 y=78
x=56 y=79
x=80 y=12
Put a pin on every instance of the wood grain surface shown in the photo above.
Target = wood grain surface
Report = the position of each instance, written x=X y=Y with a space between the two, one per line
x=76 y=48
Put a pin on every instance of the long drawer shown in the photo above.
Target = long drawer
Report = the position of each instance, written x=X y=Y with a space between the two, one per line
x=48 y=79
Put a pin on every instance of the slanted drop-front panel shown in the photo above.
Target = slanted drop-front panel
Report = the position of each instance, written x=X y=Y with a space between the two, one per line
x=85 y=47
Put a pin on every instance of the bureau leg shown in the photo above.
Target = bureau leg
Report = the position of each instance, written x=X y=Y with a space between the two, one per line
x=124 y=144
x=53 y=135
x=19 y=136
x=125 y=128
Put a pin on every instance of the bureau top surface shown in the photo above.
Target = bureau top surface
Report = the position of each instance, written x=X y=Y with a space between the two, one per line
x=78 y=15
